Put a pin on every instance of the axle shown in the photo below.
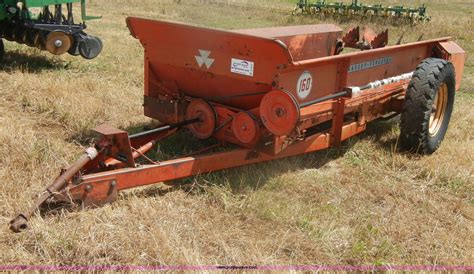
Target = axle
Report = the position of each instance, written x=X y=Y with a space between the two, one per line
x=164 y=128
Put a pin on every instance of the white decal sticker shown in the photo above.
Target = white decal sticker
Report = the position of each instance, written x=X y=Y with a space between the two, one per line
x=303 y=87
x=242 y=67
x=203 y=58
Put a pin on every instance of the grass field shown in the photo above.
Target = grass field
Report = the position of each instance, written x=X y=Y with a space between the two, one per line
x=364 y=203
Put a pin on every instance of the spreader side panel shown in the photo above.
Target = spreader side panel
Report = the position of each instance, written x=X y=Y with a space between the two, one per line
x=313 y=79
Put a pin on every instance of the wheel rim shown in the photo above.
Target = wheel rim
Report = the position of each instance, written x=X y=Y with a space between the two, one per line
x=438 y=110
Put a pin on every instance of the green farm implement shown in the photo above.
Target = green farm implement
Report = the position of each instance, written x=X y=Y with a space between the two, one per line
x=358 y=9
x=48 y=25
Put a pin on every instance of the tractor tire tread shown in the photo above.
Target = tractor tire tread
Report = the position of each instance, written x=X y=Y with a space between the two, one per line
x=416 y=111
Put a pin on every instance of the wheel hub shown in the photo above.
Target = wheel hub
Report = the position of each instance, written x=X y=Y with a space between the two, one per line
x=58 y=43
x=207 y=118
x=279 y=112
x=245 y=127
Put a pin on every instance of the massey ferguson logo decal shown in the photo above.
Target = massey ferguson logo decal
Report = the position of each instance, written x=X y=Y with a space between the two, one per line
x=203 y=59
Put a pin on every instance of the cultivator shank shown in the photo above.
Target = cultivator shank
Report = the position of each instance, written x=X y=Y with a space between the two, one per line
x=357 y=9
x=272 y=93
x=48 y=25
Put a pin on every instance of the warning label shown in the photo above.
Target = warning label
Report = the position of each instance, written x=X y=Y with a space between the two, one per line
x=242 y=67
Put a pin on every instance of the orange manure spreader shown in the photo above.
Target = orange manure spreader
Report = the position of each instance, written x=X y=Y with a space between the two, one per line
x=267 y=94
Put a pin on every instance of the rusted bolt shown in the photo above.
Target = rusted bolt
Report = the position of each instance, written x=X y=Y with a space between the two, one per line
x=280 y=112
x=58 y=43
x=88 y=188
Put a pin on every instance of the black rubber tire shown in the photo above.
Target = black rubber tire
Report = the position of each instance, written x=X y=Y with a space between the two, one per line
x=430 y=74
x=2 y=50
x=74 y=49
x=90 y=47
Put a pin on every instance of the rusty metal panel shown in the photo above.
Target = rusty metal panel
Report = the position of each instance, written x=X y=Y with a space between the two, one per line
x=383 y=64
x=206 y=62
x=275 y=32
x=322 y=77
x=118 y=143
x=164 y=109
x=303 y=42
x=329 y=74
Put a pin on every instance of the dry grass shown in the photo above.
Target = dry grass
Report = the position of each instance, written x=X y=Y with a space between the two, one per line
x=360 y=204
